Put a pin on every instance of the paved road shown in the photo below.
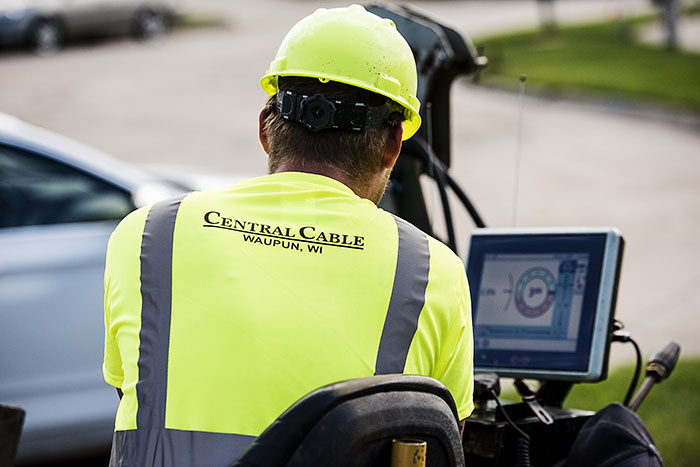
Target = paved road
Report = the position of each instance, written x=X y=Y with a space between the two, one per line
x=193 y=100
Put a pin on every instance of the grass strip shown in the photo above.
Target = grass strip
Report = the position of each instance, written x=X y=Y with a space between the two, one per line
x=671 y=410
x=601 y=60
x=199 y=21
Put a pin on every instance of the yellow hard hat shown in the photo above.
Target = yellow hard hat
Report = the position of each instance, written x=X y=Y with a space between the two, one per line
x=355 y=47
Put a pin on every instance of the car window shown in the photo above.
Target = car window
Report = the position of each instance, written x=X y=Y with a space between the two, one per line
x=36 y=190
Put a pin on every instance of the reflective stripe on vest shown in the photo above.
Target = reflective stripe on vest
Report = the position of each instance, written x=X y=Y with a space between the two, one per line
x=153 y=444
x=146 y=447
x=407 y=299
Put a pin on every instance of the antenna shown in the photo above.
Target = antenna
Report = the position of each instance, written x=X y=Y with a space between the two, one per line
x=518 y=151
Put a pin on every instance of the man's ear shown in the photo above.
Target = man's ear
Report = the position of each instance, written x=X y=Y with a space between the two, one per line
x=262 y=134
x=393 y=147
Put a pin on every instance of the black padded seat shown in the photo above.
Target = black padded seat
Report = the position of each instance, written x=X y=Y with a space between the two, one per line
x=353 y=423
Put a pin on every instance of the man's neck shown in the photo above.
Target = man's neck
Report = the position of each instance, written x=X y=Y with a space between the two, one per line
x=326 y=171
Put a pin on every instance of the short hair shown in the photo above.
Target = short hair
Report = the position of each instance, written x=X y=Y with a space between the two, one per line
x=356 y=154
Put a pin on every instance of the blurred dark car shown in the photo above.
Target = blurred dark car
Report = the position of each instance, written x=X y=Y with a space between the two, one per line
x=46 y=24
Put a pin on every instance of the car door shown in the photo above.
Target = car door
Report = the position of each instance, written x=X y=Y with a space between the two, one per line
x=55 y=221
x=81 y=16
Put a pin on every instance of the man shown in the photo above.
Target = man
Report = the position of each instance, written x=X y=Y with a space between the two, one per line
x=222 y=308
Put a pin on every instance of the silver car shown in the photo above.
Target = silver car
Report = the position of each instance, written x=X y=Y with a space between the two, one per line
x=59 y=202
x=46 y=24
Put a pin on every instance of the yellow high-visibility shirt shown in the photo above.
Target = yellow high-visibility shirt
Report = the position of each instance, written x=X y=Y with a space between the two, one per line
x=225 y=307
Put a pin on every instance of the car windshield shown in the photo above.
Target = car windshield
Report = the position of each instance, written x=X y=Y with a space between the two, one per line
x=35 y=190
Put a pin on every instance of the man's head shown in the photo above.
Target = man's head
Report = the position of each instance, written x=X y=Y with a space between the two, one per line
x=342 y=89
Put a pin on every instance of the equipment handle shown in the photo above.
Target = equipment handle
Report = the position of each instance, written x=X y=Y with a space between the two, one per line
x=660 y=366
x=664 y=361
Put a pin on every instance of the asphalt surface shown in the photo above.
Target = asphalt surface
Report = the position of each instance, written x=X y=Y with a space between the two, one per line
x=192 y=99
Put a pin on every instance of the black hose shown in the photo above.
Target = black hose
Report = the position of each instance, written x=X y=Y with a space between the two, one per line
x=437 y=170
x=478 y=221
x=522 y=452
x=436 y=163
x=437 y=173
x=439 y=176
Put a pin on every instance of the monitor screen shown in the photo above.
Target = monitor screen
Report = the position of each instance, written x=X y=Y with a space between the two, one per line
x=543 y=301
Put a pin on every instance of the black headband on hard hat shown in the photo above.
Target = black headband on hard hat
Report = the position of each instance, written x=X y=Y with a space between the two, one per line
x=316 y=112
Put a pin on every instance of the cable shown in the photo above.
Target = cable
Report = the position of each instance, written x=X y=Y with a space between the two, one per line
x=619 y=335
x=522 y=450
x=507 y=417
x=637 y=373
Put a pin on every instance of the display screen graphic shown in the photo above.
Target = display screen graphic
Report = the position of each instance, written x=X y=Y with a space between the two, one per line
x=531 y=301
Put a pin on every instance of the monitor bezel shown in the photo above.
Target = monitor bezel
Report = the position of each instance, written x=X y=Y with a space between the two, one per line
x=598 y=352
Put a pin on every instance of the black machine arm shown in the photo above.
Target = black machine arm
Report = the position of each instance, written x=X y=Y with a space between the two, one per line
x=441 y=54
